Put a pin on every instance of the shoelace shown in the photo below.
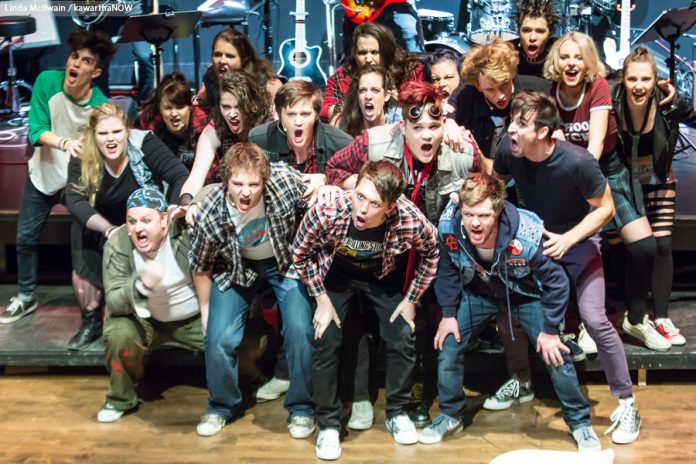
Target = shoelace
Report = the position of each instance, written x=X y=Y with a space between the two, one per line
x=586 y=434
x=622 y=418
x=511 y=388
x=440 y=422
x=400 y=423
x=417 y=393
x=668 y=327
x=325 y=437
x=15 y=307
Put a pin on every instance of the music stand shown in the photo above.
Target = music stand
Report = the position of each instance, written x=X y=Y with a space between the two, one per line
x=156 y=29
x=670 y=26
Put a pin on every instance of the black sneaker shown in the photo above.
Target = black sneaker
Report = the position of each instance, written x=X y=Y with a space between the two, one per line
x=16 y=310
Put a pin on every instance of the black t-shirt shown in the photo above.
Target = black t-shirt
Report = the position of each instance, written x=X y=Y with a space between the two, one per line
x=557 y=189
x=180 y=146
x=532 y=68
x=113 y=193
x=359 y=256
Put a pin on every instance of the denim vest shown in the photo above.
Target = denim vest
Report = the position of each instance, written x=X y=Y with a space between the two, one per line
x=387 y=143
x=513 y=266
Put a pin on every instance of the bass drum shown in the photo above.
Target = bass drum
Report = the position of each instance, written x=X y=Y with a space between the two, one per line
x=456 y=43
x=437 y=25
x=490 y=20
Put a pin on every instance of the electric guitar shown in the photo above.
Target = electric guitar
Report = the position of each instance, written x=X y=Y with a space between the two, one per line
x=614 y=56
x=297 y=60
x=365 y=11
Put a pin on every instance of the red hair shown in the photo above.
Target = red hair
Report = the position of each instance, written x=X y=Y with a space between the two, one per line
x=418 y=93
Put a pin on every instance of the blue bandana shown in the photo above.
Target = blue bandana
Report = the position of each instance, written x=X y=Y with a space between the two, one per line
x=147 y=197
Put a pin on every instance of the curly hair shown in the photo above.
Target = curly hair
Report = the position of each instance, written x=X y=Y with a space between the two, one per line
x=537 y=9
x=91 y=160
x=247 y=157
x=496 y=62
x=97 y=42
x=174 y=88
x=352 y=118
x=254 y=102
x=590 y=56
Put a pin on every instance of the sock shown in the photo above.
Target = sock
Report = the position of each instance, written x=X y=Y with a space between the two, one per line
x=640 y=257
x=662 y=275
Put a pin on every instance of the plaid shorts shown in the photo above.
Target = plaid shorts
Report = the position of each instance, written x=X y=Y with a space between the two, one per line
x=624 y=204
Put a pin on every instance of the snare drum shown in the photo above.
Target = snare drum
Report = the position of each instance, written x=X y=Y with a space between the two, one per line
x=456 y=43
x=437 y=25
x=491 y=19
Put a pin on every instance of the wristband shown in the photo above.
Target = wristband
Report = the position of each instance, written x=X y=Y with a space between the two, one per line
x=185 y=199
x=61 y=143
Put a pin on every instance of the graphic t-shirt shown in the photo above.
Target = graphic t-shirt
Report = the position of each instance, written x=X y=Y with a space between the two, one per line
x=359 y=256
x=576 y=118
x=252 y=232
x=557 y=189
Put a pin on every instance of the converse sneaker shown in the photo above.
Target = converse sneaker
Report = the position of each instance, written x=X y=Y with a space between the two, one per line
x=210 y=424
x=513 y=391
x=586 y=439
x=362 y=417
x=646 y=333
x=402 y=429
x=576 y=353
x=301 y=427
x=272 y=389
x=585 y=341
x=625 y=426
x=441 y=427
x=109 y=413
x=16 y=310
x=328 y=445
x=665 y=327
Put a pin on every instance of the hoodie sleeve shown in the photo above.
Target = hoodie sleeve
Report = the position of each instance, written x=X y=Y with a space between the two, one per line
x=448 y=283
x=555 y=289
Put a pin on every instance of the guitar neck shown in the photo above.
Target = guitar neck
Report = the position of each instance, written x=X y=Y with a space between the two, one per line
x=300 y=15
x=625 y=32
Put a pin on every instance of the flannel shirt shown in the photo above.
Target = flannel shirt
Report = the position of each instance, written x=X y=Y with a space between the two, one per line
x=349 y=160
x=324 y=227
x=214 y=243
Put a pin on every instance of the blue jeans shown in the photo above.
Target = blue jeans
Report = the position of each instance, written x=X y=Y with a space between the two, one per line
x=33 y=212
x=473 y=314
x=225 y=330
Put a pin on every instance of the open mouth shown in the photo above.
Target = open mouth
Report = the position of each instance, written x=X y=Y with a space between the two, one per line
x=639 y=97
x=222 y=69
x=571 y=75
x=235 y=125
x=176 y=123
x=427 y=147
x=514 y=146
x=244 y=202
x=475 y=235
x=142 y=240
x=298 y=136
x=369 y=110
x=72 y=76
x=360 y=222
x=112 y=148
x=532 y=50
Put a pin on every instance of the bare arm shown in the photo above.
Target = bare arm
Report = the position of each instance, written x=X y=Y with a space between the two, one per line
x=208 y=143
x=599 y=122
x=203 y=283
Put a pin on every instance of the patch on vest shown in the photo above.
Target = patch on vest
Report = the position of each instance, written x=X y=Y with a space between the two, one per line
x=515 y=247
x=450 y=242
x=516 y=262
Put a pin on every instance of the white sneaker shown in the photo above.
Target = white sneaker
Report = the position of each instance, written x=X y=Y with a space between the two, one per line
x=626 y=422
x=586 y=439
x=272 y=389
x=585 y=341
x=438 y=429
x=362 y=416
x=665 y=328
x=513 y=391
x=16 y=310
x=301 y=427
x=108 y=413
x=210 y=424
x=328 y=445
x=402 y=429
x=646 y=333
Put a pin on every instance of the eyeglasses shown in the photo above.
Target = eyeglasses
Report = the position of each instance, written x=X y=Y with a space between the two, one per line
x=415 y=113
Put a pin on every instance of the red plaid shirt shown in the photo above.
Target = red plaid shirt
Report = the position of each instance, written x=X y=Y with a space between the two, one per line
x=324 y=227
x=349 y=160
x=198 y=120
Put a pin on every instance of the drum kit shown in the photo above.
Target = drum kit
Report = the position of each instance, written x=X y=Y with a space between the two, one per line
x=489 y=20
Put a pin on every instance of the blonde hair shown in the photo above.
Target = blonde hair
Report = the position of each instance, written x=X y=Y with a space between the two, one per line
x=496 y=62
x=91 y=160
x=590 y=56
